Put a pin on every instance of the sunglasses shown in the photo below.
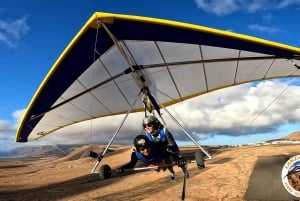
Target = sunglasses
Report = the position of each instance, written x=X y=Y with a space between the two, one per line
x=142 y=148
x=147 y=125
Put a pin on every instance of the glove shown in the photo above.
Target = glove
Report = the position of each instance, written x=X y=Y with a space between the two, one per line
x=93 y=154
x=100 y=157
x=133 y=149
x=169 y=148
x=181 y=162
x=119 y=170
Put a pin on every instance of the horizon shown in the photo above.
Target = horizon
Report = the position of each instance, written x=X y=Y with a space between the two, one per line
x=65 y=149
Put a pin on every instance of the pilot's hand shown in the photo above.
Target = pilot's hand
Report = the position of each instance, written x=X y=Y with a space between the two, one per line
x=181 y=162
x=169 y=149
x=133 y=149
x=119 y=170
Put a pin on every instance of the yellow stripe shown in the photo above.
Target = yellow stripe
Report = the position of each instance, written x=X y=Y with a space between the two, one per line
x=110 y=16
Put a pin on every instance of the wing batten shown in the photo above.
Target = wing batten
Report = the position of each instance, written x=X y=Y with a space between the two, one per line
x=212 y=61
x=76 y=96
x=168 y=69
x=236 y=69
x=203 y=68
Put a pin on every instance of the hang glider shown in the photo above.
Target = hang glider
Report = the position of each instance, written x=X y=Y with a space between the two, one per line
x=114 y=57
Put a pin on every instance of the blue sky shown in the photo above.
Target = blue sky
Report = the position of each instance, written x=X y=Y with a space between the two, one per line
x=33 y=35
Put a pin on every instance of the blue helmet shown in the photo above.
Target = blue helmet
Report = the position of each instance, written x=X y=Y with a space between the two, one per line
x=151 y=120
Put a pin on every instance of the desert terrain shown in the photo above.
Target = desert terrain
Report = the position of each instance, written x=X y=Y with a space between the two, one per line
x=229 y=175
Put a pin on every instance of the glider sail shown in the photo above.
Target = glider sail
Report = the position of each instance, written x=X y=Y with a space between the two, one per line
x=114 y=57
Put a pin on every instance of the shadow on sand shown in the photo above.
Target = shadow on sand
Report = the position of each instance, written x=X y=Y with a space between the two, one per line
x=73 y=187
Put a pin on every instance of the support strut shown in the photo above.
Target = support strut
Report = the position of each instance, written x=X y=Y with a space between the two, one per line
x=101 y=155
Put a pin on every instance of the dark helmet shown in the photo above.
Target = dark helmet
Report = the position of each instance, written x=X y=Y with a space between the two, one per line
x=141 y=142
x=151 y=120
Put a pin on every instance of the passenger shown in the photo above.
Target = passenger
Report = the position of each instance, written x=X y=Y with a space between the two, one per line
x=156 y=132
x=159 y=134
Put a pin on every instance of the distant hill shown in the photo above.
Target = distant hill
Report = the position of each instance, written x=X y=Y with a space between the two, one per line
x=74 y=151
x=6 y=154
x=292 y=136
x=295 y=136
x=45 y=150
x=81 y=150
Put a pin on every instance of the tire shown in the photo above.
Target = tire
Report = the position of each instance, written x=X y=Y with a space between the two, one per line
x=105 y=172
x=199 y=160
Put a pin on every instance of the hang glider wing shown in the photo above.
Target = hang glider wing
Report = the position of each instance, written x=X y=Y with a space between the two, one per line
x=113 y=57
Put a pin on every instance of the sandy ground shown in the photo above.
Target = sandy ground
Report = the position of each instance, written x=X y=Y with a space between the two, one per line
x=226 y=177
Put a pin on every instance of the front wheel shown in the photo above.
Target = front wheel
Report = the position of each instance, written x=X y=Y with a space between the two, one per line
x=105 y=172
x=199 y=160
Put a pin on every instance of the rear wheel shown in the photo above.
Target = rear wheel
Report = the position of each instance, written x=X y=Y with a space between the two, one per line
x=105 y=172
x=199 y=160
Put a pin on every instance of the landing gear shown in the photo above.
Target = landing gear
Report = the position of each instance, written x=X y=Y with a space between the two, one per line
x=199 y=160
x=105 y=172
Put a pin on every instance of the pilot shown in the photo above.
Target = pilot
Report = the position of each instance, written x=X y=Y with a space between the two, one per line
x=150 y=155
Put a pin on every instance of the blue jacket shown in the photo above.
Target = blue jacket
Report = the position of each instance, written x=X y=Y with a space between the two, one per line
x=164 y=139
x=155 y=157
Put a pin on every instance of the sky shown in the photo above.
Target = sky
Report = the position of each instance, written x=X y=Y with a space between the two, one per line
x=34 y=34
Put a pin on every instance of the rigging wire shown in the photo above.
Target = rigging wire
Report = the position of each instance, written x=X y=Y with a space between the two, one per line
x=96 y=40
x=187 y=133
x=274 y=100
x=264 y=109
x=64 y=152
x=268 y=106
x=93 y=77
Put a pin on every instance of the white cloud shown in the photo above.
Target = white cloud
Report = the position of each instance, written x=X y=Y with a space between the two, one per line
x=242 y=110
x=256 y=27
x=17 y=115
x=286 y=3
x=12 y=31
x=7 y=128
x=227 y=7
x=6 y=131
x=218 y=7
x=235 y=111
